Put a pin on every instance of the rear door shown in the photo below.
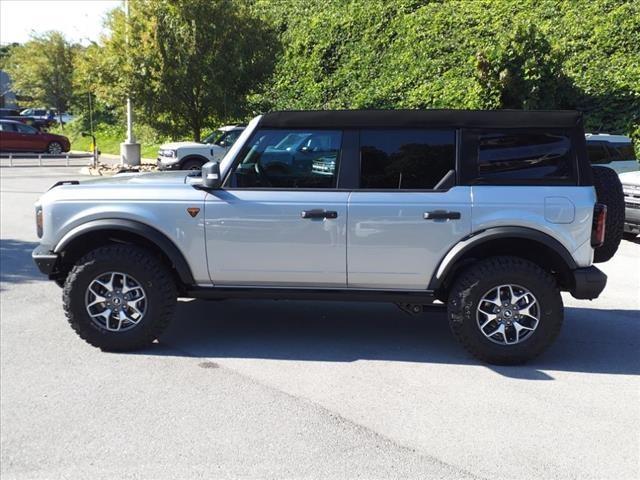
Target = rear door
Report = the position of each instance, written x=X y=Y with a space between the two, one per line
x=8 y=137
x=407 y=213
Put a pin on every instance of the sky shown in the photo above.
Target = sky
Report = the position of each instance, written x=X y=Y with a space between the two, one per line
x=79 y=20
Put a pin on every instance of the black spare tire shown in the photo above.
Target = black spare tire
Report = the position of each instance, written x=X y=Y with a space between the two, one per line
x=609 y=192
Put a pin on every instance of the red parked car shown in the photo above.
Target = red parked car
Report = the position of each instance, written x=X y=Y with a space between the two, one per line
x=18 y=137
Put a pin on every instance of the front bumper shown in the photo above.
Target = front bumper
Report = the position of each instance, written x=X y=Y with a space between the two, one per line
x=167 y=163
x=45 y=259
x=632 y=214
x=588 y=283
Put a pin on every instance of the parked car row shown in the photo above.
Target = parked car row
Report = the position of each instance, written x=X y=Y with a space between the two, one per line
x=18 y=137
x=40 y=118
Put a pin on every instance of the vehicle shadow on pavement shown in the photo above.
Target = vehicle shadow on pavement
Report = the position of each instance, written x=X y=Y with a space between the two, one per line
x=16 y=265
x=592 y=341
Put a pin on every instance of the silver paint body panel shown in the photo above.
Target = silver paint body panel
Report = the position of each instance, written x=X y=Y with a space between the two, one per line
x=257 y=237
x=389 y=243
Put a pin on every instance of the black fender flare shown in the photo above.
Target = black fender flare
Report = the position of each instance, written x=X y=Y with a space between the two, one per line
x=458 y=251
x=156 y=237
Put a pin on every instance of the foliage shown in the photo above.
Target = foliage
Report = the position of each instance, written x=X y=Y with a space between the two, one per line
x=184 y=62
x=192 y=64
x=522 y=70
x=41 y=71
x=109 y=137
x=583 y=54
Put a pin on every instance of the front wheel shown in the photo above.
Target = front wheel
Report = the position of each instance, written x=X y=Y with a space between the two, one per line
x=119 y=297
x=505 y=310
x=192 y=164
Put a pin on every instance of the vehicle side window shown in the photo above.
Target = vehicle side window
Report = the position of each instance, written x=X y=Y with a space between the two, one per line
x=405 y=158
x=507 y=157
x=273 y=159
x=598 y=153
x=25 y=129
x=6 y=127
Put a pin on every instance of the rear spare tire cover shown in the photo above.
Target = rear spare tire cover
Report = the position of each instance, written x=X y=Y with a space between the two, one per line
x=609 y=192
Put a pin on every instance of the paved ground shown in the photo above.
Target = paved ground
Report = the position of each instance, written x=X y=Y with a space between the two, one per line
x=307 y=390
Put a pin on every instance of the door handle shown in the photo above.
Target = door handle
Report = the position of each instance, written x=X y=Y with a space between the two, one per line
x=319 y=214
x=441 y=215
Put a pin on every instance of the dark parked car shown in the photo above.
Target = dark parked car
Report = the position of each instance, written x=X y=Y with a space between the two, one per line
x=39 y=123
x=8 y=112
x=18 y=137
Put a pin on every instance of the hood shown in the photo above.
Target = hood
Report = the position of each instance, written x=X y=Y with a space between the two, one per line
x=176 y=145
x=150 y=178
x=630 y=178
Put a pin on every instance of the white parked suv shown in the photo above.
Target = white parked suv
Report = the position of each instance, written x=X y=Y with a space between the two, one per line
x=487 y=215
x=192 y=155
x=613 y=151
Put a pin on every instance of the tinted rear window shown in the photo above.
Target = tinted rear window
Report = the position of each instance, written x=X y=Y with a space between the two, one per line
x=405 y=159
x=504 y=156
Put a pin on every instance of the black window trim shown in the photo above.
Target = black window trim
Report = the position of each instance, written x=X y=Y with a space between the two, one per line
x=456 y=162
x=468 y=170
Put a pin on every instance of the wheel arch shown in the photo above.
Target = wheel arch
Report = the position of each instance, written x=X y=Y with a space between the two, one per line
x=93 y=234
x=193 y=156
x=523 y=242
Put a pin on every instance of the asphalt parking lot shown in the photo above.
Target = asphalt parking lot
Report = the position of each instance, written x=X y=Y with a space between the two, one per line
x=267 y=389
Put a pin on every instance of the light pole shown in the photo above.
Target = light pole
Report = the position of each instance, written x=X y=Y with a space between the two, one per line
x=129 y=149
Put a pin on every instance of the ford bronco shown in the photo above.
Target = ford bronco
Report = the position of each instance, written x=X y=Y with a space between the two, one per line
x=488 y=215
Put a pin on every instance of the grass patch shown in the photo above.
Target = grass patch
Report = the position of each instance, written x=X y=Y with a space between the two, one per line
x=109 y=138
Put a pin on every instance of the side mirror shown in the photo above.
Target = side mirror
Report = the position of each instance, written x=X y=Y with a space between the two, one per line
x=211 y=175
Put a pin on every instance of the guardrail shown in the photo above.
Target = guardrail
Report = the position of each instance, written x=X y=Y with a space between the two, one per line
x=42 y=157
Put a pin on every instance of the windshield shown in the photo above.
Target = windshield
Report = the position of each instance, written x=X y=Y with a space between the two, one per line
x=214 y=137
x=237 y=145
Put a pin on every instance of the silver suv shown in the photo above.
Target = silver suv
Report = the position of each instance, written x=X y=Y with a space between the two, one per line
x=489 y=215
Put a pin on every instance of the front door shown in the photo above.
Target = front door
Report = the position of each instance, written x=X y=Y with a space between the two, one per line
x=279 y=223
x=29 y=139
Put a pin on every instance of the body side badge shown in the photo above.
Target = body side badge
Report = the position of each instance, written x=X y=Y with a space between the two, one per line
x=193 y=211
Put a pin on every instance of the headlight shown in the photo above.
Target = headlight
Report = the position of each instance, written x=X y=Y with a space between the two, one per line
x=39 y=221
x=168 y=153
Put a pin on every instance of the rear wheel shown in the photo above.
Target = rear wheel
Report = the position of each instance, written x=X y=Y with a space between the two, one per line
x=54 y=148
x=609 y=192
x=505 y=310
x=119 y=297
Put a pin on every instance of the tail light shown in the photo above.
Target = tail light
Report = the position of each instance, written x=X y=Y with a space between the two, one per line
x=599 y=225
x=39 y=220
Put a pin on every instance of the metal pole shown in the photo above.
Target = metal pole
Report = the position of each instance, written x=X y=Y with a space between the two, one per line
x=10 y=160
x=130 y=138
x=130 y=149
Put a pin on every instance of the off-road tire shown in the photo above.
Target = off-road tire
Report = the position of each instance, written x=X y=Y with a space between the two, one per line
x=609 y=192
x=192 y=164
x=155 y=278
x=474 y=282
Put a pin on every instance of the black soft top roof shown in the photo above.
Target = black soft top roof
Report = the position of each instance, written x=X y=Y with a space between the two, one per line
x=421 y=118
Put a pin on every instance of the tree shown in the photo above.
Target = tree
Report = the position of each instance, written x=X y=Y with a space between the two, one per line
x=41 y=70
x=185 y=62
x=523 y=71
